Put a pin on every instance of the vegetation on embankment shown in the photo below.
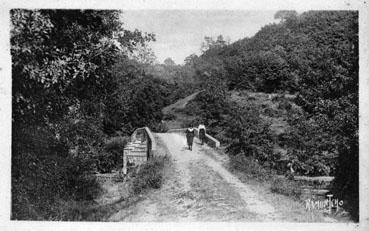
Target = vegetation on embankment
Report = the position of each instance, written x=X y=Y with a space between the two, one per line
x=133 y=188
x=138 y=182
x=150 y=175
x=130 y=190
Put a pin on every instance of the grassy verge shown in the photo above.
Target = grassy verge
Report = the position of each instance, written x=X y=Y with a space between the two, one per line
x=139 y=181
x=254 y=171
x=286 y=195
x=150 y=175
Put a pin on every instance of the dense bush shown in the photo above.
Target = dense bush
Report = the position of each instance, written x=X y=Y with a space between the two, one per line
x=149 y=175
x=310 y=149
x=169 y=116
x=345 y=185
x=43 y=174
x=137 y=101
x=111 y=157
x=250 y=135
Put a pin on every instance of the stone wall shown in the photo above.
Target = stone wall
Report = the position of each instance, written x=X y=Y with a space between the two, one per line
x=139 y=149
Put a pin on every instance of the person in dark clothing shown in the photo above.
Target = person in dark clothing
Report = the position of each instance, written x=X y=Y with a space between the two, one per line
x=202 y=133
x=190 y=133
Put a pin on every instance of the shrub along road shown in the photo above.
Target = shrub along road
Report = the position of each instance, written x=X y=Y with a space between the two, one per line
x=197 y=187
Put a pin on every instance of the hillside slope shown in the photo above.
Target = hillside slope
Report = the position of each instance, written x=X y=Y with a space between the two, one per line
x=176 y=117
x=273 y=109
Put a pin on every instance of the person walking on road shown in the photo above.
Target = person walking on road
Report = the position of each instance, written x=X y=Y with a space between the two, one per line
x=190 y=133
x=202 y=132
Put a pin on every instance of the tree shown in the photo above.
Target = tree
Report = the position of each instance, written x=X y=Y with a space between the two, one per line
x=285 y=14
x=191 y=60
x=210 y=43
x=169 y=62
x=62 y=83
x=60 y=56
x=220 y=41
x=144 y=55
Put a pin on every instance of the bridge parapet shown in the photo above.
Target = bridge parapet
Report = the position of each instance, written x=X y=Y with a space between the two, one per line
x=140 y=148
x=211 y=141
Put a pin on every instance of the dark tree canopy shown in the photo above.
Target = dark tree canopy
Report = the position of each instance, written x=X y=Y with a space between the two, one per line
x=59 y=56
x=63 y=87
x=169 y=62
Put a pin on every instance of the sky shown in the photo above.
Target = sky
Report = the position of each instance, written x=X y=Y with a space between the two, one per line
x=180 y=33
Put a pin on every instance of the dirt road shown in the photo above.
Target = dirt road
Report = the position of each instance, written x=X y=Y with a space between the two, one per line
x=198 y=188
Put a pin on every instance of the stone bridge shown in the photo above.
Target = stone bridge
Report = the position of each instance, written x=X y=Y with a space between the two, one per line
x=142 y=146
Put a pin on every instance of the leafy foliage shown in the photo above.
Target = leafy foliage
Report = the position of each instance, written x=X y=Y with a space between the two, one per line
x=137 y=101
x=210 y=44
x=62 y=85
x=41 y=180
x=240 y=128
x=310 y=149
x=249 y=134
x=111 y=157
x=59 y=56
x=313 y=55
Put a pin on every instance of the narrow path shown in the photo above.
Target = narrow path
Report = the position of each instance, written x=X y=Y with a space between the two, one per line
x=198 y=188
x=180 y=104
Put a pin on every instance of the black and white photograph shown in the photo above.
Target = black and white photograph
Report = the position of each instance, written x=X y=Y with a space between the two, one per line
x=185 y=115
